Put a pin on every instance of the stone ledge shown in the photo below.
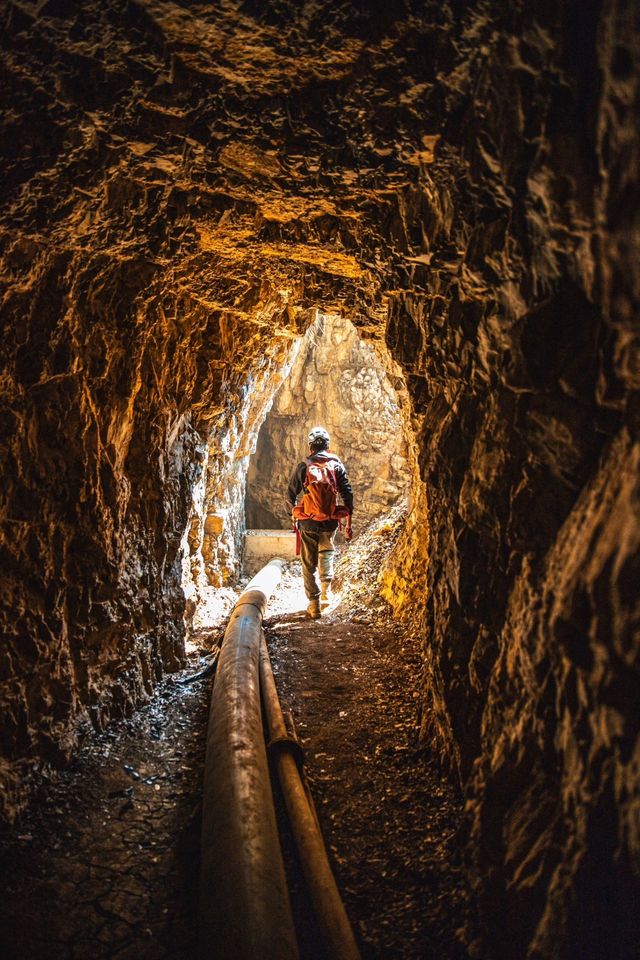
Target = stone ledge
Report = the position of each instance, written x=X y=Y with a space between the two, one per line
x=260 y=546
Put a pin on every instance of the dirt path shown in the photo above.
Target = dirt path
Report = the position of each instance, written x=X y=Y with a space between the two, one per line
x=388 y=817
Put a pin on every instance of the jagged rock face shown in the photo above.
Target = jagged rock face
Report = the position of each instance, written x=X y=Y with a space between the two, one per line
x=184 y=187
x=337 y=381
x=212 y=546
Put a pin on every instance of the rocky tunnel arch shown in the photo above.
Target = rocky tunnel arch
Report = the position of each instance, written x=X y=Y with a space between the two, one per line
x=173 y=209
x=328 y=372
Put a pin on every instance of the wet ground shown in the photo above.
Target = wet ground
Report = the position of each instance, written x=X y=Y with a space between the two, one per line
x=105 y=864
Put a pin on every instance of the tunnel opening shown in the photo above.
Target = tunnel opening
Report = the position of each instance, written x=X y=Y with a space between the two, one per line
x=239 y=518
x=337 y=380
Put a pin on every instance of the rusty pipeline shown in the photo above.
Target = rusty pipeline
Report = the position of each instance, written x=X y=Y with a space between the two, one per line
x=244 y=904
x=331 y=916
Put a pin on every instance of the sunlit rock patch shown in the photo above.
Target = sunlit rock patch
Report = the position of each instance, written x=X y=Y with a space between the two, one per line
x=338 y=381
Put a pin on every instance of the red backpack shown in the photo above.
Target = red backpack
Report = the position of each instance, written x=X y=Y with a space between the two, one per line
x=319 y=493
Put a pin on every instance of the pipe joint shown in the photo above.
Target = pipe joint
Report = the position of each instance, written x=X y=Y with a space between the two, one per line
x=289 y=745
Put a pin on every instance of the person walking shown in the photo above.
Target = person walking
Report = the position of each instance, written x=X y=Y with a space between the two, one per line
x=319 y=478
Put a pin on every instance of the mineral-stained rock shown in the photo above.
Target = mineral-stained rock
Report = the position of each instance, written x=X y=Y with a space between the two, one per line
x=184 y=187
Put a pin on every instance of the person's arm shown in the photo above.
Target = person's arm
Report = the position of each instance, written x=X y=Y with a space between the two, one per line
x=295 y=485
x=345 y=487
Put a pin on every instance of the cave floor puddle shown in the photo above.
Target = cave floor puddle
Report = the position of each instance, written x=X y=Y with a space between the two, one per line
x=105 y=863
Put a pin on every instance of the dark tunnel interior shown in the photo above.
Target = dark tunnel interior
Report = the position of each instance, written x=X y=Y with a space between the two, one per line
x=416 y=223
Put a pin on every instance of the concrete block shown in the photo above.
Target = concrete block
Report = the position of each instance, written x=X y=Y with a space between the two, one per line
x=260 y=546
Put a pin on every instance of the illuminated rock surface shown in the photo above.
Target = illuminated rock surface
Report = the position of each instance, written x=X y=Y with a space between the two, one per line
x=184 y=187
x=337 y=381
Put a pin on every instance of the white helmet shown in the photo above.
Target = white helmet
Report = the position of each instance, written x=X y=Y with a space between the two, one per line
x=318 y=437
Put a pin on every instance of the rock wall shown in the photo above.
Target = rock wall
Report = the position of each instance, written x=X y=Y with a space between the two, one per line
x=338 y=381
x=213 y=539
x=184 y=185
x=520 y=336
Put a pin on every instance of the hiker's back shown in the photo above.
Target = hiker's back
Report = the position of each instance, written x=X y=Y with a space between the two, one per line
x=319 y=500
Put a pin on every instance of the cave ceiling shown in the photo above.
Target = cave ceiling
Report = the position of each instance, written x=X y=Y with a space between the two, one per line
x=240 y=164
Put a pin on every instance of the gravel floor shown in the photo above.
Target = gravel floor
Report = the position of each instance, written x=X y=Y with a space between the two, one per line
x=105 y=864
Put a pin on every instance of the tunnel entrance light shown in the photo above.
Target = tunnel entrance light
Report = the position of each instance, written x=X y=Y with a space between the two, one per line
x=338 y=380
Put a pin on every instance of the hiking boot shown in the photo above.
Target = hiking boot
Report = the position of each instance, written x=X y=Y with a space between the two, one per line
x=326 y=596
x=313 y=610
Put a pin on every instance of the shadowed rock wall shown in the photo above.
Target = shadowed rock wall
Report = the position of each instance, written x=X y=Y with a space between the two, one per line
x=521 y=337
x=183 y=186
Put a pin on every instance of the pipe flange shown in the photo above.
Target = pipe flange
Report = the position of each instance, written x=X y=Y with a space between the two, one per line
x=287 y=745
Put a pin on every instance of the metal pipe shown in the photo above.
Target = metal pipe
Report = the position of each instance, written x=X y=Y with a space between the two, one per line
x=330 y=913
x=244 y=904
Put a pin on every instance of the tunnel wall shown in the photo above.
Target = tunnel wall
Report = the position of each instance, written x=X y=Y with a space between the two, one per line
x=182 y=186
x=213 y=543
x=109 y=398
x=520 y=341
